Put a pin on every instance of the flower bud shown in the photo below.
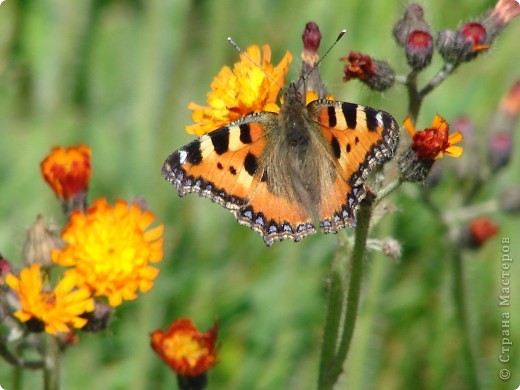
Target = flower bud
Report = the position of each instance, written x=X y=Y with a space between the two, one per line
x=378 y=75
x=463 y=45
x=500 y=147
x=419 y=49
x=412 y=20
x=39 y=244
x=5 y=268
x=311 y=38
x=500 y=16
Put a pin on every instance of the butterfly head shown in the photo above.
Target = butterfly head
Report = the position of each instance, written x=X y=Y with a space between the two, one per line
x=295 y=95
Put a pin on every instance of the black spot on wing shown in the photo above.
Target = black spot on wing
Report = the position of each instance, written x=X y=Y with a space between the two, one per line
x=250 y=164
x=348 y=148
x=336 y=149
x=193 y=154
x=232 y=170
x=350 y=113
x=331 y=111
x=245 y=133
x=371 y=115
x=220 y=139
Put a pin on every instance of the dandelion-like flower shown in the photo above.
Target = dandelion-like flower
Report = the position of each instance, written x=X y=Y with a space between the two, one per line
x=427 y=146
x=241 y=91
x=432 y=143
x=59 y=309
x=185 y=349
x=67 y=170
x=110 y=249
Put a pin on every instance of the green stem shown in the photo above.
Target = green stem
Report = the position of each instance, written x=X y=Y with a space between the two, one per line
x=462 y=317
x=385 y=191
x=343 y=301
x=51 y=371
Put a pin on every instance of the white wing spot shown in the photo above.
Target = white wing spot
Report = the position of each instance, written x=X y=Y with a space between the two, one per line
x=379 y=119
x=182 y=156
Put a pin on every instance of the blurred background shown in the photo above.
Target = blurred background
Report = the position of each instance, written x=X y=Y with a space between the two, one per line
x=118 y=75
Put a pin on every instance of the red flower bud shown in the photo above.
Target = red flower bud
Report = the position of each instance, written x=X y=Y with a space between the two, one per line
x=419 y=49
x=378 y=75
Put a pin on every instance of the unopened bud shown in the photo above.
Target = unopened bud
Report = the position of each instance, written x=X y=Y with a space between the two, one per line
x=311 y=38
x=5 y=268
x=500 y=147
x=500 y=16
x=463 y=45
x=413 y=168
x=419 y=49
x=412 y=20
x=39 y=244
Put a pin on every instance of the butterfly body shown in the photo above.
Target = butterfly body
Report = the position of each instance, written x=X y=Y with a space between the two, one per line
x=285 y=174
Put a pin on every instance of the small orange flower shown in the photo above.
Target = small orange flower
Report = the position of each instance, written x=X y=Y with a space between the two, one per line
x=58 y=310
x=482 y=229
x=185 y=349
x=432 y=143
x=241 y=91
x=67 y=170
x=110 y=248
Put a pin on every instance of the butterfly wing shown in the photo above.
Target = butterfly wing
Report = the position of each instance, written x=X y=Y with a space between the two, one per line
x=359 y=139
x=224 y=166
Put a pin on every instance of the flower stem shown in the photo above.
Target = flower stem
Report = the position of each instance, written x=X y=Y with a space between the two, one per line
x=462 y=319
x=343 y=301
x=51 y=371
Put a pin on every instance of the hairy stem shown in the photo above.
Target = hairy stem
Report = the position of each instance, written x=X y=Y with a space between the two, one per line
x=51 y=371
x=344 y=301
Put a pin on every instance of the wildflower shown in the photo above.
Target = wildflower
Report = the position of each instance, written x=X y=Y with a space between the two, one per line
x=241 y=91
x=378 y=75
x=427 y=146
x=110 y=248
x=57 y=309
x=39 y=244
x=67 y=171
x=482 y=229
x=433 y=142
x=185 y=349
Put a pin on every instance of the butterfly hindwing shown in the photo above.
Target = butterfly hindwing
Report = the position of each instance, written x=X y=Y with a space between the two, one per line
x=359 y=139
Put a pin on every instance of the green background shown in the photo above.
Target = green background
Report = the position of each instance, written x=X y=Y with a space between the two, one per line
x=118 y=75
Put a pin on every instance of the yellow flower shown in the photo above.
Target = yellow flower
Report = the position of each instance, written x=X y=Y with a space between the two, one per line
x=110 y=248
x=241 y=91
x=58 y=310
x=67 y=170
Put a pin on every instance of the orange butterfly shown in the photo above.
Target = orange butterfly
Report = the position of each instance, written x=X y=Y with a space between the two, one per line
x=283 y=174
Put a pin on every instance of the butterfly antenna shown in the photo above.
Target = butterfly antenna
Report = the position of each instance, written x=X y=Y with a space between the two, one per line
x=340 y=35
x=237 y=48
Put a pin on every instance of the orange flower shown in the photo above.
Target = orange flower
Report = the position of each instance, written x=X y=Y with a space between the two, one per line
x=241 y=91
x=59 y=309
x=482 y=229
x=186 y=350
x=432 y=143
x=110 y=249
x=67 y=170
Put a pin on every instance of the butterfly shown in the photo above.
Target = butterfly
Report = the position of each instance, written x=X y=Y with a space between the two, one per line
x=284 y=174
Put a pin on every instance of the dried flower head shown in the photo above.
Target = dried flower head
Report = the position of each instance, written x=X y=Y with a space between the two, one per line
x=378 y=75
x=500 y=16
x=39 y=244
x=241 y=91
x=185 y=349
x=110 y=248
x=57 y=310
